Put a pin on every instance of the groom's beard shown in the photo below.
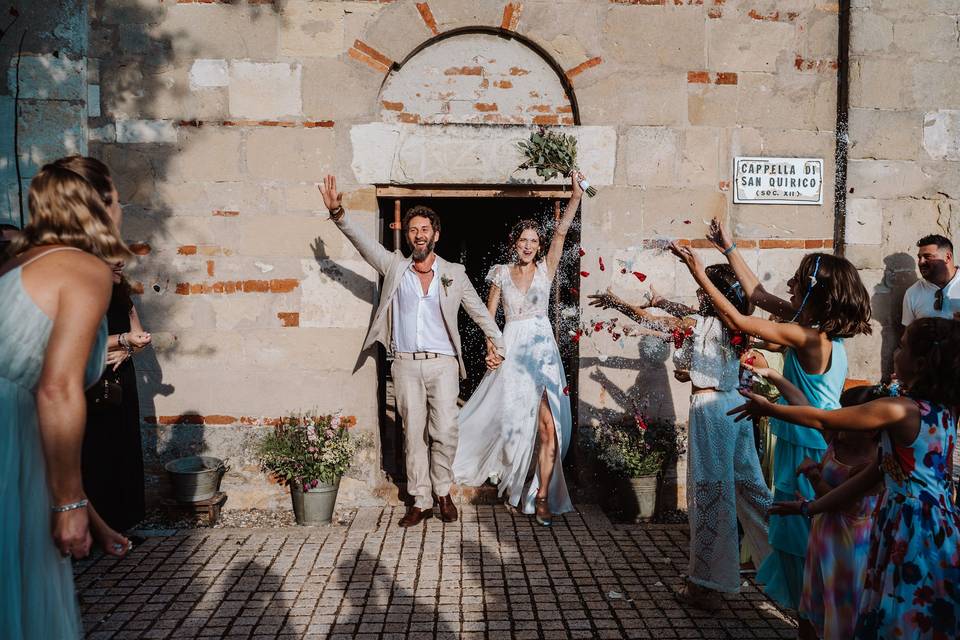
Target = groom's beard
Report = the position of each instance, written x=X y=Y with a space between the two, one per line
x=421 y=254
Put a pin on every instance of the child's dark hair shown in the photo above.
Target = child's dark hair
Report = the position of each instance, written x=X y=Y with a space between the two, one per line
x=723 y=277
x=518 y=230
x=862 y=394
x=835 y=299
x=936 y=341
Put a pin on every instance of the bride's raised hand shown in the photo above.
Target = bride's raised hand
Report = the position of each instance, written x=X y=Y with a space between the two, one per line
x=576 y=190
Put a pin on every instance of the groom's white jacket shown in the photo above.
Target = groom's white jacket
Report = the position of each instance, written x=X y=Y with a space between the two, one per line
x=455 y=290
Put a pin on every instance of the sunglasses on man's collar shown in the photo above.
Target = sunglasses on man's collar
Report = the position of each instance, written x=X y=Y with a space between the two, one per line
x=938 y=300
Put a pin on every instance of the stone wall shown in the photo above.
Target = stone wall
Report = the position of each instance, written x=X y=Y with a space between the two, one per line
x=219 y=118
x=904 y=172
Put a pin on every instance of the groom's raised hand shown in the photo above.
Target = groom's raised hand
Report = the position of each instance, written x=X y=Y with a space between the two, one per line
x=332 y=199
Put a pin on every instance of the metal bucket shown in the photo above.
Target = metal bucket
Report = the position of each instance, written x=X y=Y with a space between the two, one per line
x=314 y=506
x=195 y=478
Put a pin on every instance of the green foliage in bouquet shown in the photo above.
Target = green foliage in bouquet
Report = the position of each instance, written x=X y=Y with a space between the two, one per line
x=309 y=448
x=550 y=154
x=634 y=446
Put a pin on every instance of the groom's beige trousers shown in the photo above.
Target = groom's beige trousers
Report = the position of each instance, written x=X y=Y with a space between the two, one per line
x=427 y=393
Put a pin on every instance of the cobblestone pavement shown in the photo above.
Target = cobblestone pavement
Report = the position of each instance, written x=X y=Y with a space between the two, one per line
x=491 y=574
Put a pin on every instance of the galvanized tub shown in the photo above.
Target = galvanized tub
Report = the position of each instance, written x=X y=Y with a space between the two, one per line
x=195 y=478
x=314 y=506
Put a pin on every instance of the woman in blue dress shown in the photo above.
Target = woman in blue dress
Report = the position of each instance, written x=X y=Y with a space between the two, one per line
x=828 y=303
x=55 y=290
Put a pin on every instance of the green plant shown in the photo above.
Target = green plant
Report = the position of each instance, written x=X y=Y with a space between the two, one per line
x=309 y=449
x=551 y=154
x=634 y=446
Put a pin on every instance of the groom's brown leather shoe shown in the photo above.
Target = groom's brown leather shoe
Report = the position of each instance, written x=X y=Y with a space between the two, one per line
x=414 y=516
x=448 y=510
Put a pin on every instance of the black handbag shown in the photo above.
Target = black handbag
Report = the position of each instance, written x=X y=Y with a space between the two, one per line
x=105 y=394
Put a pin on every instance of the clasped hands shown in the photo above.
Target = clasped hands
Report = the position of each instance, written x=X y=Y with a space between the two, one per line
x=493 y=358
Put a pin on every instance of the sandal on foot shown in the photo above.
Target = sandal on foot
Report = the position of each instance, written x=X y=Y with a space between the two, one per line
x=698 y=597
x=542 y=512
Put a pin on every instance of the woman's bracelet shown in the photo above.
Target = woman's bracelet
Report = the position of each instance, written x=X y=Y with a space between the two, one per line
x=805 y=509
x=729 y=249
x=79 y=504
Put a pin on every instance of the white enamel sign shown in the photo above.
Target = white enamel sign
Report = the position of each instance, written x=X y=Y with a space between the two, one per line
x=778 y=180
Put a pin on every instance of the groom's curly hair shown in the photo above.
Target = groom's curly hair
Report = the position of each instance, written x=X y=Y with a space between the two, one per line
x=422 y=212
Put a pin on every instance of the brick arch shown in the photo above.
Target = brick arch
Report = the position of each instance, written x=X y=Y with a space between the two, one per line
x=514 y=81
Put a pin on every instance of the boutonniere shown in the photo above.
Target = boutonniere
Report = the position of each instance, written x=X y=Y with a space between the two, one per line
x=446 y=281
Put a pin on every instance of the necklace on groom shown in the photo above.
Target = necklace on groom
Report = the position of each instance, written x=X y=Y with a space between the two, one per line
x=414 y=265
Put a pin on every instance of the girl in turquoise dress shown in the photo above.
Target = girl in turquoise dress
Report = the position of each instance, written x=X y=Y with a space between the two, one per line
x=827 y=304
x=913 y=566
x=53 y=337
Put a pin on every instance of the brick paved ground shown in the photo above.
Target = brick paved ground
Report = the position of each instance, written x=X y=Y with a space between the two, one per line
x=489 y=575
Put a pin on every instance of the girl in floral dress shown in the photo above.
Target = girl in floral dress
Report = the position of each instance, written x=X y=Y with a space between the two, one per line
x=912 y=585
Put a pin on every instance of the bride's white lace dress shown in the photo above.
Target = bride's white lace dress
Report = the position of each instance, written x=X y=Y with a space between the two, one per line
x=498 y=425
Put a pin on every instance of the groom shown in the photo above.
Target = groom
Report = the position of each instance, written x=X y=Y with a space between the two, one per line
x=416 y=321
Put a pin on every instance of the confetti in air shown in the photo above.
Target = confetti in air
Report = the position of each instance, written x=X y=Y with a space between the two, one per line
x=602 y=267
x=581 y=252
x=584 y=274
x=640 y=276
x=566 y=391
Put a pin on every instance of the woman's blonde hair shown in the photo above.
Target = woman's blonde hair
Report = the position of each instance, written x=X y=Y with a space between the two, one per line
x=65 y=208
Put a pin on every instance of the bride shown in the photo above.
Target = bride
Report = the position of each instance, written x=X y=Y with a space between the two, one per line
x=522 y=403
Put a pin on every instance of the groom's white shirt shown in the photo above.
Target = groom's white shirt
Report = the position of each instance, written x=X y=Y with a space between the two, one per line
x=417 y=319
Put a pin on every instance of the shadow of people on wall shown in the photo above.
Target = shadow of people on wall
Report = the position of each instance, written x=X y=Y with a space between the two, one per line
x=899 y=273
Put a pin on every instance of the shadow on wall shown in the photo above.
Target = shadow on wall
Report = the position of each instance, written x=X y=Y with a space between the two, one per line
x=899 y=273
x=133 y=61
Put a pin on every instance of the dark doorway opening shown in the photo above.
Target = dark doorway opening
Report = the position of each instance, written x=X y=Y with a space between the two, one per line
x=475 y=225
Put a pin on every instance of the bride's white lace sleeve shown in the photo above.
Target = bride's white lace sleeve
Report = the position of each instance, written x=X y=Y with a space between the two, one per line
x=495 y=275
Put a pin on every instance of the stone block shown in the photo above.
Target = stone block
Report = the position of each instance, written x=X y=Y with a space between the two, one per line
x=870 y=32
x=398 y=29
x=758 y=221
x=220 y=30
x=350 y=282
x=267 y=90
x=713 y=105
x=864 y=256
x=465 y=154
x=206 y=154
x=333 y=89
x=288 y=236
x=49 y=77
x=629 y=98
x=781 y=101
x=681 y=213
x=931 y=37
x=289 y=155
x=451 y=14
x=819 y=36
x=650 y=155
x=936 y=85
x=880 y=134
x=701 y=158
x=134 y=169
x=209 y=73
x=941 y=134
x=908 y=220
x=50 y=129
x=888 y=179
x=864 y=222
x=881 y=83
x=754 y=45
x=93 y=101
x=655 y=39
x=202 y=198
x=312 y=29
x=615 y=212
x=146 y=132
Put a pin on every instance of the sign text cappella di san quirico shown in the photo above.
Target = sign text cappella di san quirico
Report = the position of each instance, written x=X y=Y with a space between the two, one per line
x=778 y=180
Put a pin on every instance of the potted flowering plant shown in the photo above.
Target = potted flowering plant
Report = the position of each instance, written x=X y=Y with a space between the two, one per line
x=634 y=450
x=310 y=452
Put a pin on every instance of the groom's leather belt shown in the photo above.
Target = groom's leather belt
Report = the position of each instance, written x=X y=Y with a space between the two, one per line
x=415 y=355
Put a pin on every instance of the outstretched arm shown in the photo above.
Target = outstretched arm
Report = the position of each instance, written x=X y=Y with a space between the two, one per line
x=787 y=389
x=608 y=300
x=837 y=499
x=555 y=252
x=374 y=253
x=759 y=296
x=788 y=334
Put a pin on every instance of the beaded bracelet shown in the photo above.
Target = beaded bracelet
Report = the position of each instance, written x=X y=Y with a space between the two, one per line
x=729 y=249
x=805 y=509
x=79 y=504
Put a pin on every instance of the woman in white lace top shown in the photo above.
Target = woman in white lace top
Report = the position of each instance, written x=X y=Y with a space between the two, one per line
x=724 y=479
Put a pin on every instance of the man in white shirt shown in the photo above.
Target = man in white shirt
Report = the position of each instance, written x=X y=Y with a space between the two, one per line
x=935 y=295
x=416 y=320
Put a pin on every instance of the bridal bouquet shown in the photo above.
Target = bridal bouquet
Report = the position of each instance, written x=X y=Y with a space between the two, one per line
x=552 y=153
